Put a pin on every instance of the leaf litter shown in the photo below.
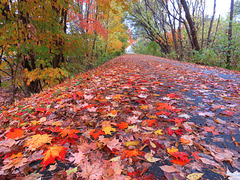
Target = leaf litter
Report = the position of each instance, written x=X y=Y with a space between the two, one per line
x=133 y=117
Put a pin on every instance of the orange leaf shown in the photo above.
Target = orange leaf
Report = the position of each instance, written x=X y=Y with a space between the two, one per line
x=15 y=133
x=68 y=132
x=184 y=141
x=114 y=112
x=37 y=141
x=54 y=152
x=162 y=106
x=96 y=133
x=122 y=125
x=149 y=123
x=131 y=153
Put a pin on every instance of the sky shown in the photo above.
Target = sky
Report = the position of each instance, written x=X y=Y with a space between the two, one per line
x=222 y=7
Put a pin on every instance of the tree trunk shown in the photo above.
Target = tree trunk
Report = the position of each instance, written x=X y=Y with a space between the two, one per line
x=203 y=23
x=191 y=25
x=228 y=62
x=211 y=23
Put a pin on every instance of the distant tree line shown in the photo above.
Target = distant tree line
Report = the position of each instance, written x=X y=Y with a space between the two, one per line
x=181 y=29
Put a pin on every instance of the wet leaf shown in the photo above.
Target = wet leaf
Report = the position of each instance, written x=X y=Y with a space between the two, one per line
x=195 y=176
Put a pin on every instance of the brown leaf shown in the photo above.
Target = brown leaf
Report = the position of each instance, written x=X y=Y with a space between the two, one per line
x=169 y=169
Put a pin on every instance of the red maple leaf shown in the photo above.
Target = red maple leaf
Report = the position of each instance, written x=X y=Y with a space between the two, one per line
x=96 y=133
x=173 y=95
x=175 y=130
x=122 y=125
x=53 y=153
x=177 y=120
x=163 y=112
x=180 y=158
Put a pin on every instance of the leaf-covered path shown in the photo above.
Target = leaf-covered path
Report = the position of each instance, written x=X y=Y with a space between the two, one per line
x=135 y=117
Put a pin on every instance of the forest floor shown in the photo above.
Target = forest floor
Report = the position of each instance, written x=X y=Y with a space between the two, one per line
x=135 y=117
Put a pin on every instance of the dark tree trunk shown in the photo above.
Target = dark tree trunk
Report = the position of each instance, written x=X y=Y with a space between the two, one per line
x=228 y=62
x=215 y=35
x=211 y=23
x=191 y=25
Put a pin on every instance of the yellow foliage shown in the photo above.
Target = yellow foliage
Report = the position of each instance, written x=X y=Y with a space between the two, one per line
x=50 y=76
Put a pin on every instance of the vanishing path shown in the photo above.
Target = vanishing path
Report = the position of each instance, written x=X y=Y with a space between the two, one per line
x=135 y=117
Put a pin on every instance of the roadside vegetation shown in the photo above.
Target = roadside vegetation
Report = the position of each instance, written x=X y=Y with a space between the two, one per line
x=184 y=31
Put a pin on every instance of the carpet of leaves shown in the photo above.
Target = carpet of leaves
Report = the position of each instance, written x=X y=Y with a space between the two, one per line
x=132 y=118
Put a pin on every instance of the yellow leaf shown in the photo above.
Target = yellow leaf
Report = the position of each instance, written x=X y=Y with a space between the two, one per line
x=115 y=159
x=132 y=143
x=159 y=132
x=58 y=123
x=143 y=107
x=19 y=155
x=37 y=141
x=195 y=176
x=172 y=150
x=153 y=145
x=35 y=123
x=108 y=130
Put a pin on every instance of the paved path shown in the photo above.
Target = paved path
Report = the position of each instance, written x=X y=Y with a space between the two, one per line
x=136 y=116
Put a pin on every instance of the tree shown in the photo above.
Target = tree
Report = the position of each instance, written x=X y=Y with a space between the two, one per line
x=228 y=60
x=36 y=42
x=191 y=25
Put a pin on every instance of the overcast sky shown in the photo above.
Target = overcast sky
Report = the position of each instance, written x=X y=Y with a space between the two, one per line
x=223 y=7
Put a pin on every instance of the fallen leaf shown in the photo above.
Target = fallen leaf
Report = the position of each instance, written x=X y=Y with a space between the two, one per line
x=132 y=143
x=122 y=125
x=71 y=170
x=184 y=141
x=96 y=133
x=208 y=161
x=77 y=157
x=52 y=153
x=180 y=158
x=14 y=133
x=169 y=169
x=68 y=132
x=195 y=176
x=91 y=171
x=150 y=158
x=131 y=153
x=172 y=150
x=108 y=130
x=37 y=141
x=159 y=132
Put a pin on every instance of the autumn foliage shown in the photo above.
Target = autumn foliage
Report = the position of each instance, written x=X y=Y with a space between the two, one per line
x=120 y=122
x=44 y=42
